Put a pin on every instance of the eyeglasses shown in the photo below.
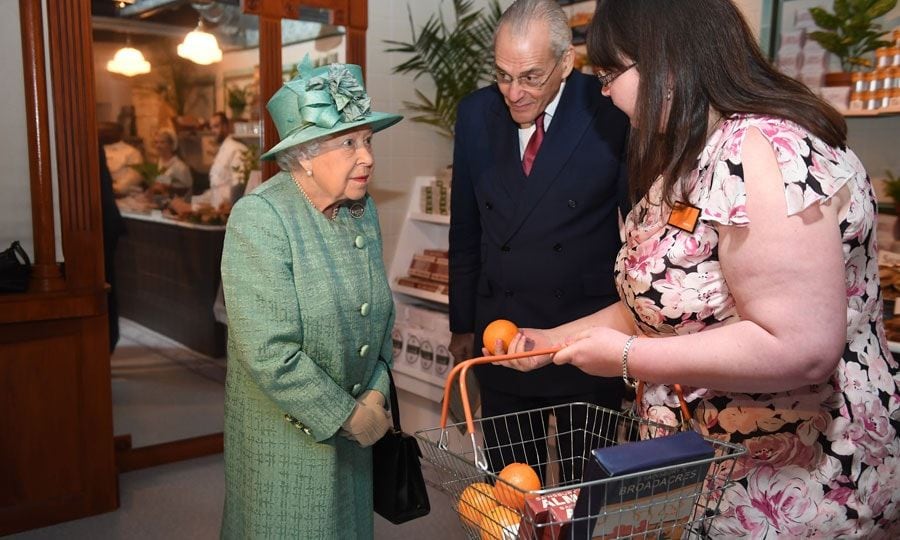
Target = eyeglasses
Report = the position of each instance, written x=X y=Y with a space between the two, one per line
x=525 y=81
x=348 y=144
x=607 y=78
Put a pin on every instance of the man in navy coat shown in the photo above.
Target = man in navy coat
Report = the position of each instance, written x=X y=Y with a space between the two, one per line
x=537 y=248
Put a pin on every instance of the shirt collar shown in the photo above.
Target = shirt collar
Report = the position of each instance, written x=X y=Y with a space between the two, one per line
x=551 y=107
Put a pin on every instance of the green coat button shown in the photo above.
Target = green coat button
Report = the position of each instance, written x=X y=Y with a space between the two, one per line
x=363 y=351
x=364 y=309
x=360 y=242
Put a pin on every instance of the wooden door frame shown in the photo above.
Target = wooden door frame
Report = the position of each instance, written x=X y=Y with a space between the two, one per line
x=64 y=309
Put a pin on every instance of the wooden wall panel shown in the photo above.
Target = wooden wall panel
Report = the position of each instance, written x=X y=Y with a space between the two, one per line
x=56 y=450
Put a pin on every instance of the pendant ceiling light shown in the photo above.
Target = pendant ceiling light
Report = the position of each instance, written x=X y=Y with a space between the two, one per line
x=128 y=61
x=200 y=47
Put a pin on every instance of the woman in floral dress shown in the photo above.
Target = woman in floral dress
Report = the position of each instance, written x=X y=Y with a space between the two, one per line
x=759 y=292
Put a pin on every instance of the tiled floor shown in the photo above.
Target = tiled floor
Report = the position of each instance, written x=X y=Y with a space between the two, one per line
x=163 y=392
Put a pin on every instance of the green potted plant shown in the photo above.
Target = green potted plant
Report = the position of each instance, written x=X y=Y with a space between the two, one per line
x=850 y=33
x=148 y=171
x=457 y=58
x=892 y=189
x=237 y=101
x=249 y=165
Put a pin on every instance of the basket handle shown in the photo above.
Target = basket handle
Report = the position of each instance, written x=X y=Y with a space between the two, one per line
x=685 y=412
x=462 y=369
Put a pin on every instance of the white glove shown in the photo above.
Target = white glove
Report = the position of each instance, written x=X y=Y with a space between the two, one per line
x=369 y=421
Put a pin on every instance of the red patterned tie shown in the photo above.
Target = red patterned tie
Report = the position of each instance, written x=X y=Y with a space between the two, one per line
x=531 y=149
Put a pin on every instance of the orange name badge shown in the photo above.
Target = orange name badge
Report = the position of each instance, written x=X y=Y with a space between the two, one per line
x=684 y=216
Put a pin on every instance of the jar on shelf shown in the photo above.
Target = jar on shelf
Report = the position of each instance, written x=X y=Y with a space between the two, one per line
x=871 y=80
x=857 y=101
x=870 y=100
x=857 y=82
x=896 y=37
x=883 y=97
x=895 y=98
x=893 y=79
x=883 y=78
x=884 y=57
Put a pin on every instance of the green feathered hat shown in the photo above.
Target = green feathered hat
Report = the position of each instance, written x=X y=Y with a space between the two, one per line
x=320 y=102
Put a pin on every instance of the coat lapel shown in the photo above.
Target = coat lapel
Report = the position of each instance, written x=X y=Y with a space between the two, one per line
x=508 y=162
x=574 y=115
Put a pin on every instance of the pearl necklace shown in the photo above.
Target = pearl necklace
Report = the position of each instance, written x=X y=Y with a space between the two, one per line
x=334 y=212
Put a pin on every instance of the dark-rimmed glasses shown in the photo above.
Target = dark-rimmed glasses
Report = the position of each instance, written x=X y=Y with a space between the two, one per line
x=607 y=78
x=525 y=81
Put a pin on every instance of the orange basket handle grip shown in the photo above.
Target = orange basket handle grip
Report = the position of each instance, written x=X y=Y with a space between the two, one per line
x=685 y=412
x=462 y=369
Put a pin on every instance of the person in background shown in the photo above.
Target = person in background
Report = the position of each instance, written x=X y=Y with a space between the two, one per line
x=749 y=274
x=534 y=234
x=113 y=227
x=310 y=315
x=222 y=175
x=175 y=175
x=120 y=156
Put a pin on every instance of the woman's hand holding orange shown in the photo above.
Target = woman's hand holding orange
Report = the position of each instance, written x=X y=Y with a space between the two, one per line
x=529 y=339
x=595 y=351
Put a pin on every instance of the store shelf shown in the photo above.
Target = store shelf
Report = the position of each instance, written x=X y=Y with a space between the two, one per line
x=421 y=294
x=891 y=111
x=420 y=231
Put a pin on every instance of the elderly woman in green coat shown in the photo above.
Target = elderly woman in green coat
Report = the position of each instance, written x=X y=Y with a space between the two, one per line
x=310 y=316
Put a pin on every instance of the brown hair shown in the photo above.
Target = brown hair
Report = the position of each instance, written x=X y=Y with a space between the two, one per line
x=703 y=53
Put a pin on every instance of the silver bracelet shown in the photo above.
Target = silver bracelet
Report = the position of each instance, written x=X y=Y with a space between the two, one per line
x=628 y=380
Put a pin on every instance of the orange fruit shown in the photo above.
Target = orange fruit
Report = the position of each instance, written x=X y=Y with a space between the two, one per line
x=475 y=502
x=500 y=329
x=498 y=519
x=515 y=479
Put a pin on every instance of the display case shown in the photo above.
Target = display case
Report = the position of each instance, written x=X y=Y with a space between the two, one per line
x=421 y=332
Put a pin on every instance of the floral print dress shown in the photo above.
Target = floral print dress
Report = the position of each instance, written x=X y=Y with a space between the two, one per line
x=823 y=461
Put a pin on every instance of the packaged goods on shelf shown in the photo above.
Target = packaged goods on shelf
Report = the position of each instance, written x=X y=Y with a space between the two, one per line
x=428 y=271
x=423 y=284
x=421 y=343
x=420 y=266
x=435 y=198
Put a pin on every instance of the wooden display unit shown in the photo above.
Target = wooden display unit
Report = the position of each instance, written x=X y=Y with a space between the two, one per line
x=420 y=369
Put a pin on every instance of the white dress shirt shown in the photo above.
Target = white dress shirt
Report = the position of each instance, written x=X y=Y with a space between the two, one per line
x=525 y=133
x=222 y=175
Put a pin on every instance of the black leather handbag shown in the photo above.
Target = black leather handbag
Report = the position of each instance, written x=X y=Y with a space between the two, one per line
x=399 y=488
x=15 y=268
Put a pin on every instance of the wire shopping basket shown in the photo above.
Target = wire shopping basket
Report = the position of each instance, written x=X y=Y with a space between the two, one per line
x=676 y=501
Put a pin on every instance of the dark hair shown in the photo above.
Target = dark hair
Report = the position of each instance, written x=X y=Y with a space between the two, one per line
x=704 y=54
x=222 y=118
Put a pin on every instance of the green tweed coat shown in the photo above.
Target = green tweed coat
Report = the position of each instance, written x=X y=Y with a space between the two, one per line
x=309 y=313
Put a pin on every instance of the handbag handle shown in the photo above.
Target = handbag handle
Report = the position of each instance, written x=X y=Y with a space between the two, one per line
x=395 y=407
x=19 y=250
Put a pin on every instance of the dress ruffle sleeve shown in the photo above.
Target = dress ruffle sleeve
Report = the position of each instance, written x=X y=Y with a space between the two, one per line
x=812 y=171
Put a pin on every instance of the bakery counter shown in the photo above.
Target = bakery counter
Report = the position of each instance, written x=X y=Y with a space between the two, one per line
x=168 y=277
